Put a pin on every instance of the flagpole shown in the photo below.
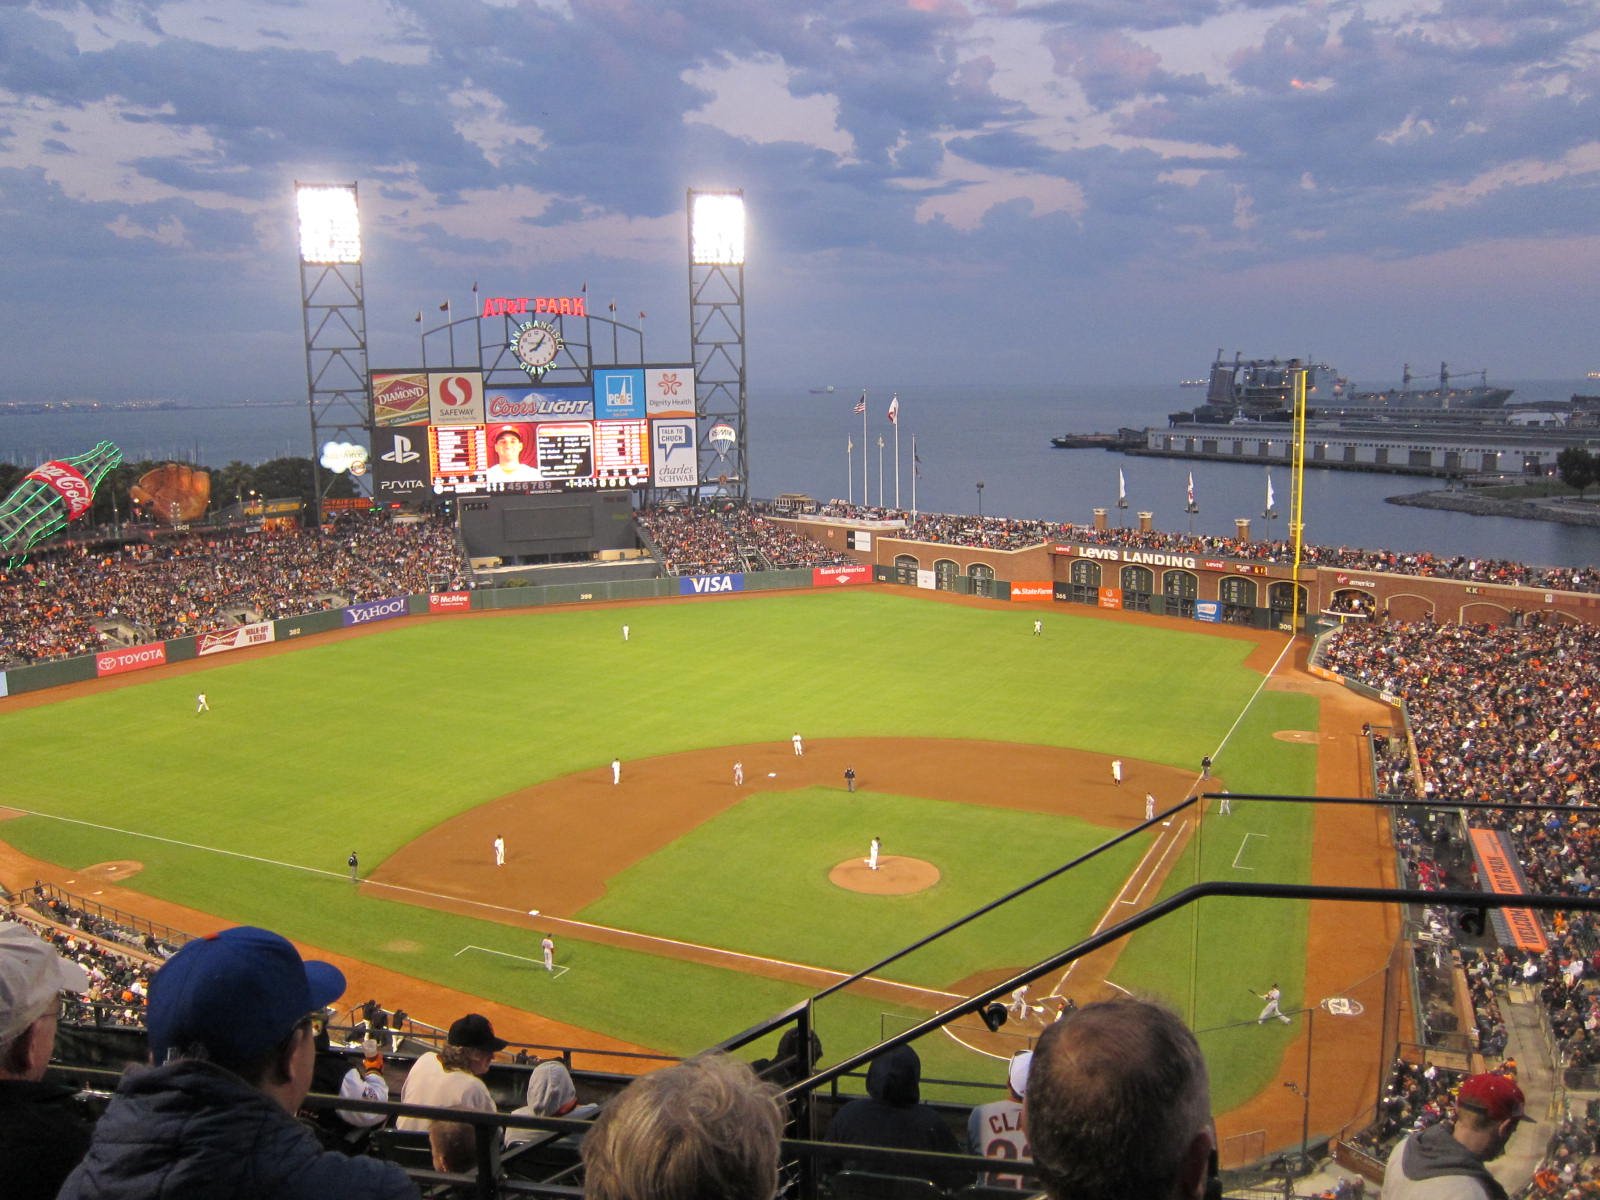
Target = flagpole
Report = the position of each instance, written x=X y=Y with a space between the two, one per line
x=896 y=404
x=863 y=445
x=880 y=470
x=451 y=328
x=849 y=471
x=914 y=474
x=422 y=342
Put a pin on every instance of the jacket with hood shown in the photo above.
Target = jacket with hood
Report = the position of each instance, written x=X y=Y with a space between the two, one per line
x=892 y=1113
x=195 y=1130
x=551 y=1094
x=1432 y=1165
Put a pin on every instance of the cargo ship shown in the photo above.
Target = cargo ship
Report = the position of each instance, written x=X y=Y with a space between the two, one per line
x=1262 y=389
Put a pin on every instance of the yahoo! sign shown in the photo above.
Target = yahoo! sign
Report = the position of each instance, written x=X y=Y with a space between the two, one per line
x=374 y=610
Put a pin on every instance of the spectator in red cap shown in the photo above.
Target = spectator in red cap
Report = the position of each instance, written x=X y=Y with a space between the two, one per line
x=231 y=1038
x=1447 y=1163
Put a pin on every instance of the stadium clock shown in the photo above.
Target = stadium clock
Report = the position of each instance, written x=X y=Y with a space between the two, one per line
x=536 y=345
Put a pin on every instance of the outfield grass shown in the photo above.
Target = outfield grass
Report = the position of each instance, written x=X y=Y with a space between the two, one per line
x=371 y=741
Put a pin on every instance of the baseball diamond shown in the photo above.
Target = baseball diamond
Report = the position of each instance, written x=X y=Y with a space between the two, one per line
x=648 y=884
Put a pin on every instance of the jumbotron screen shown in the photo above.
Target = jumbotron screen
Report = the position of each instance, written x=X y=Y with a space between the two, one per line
x=538 y=456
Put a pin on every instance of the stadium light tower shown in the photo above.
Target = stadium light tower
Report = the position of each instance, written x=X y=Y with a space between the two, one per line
x=716 y=335
x=334 y=311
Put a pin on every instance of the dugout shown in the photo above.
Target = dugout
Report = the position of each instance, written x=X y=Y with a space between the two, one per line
x=533 y=528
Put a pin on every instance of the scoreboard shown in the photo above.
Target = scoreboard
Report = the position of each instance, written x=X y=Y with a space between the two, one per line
x=449 y=434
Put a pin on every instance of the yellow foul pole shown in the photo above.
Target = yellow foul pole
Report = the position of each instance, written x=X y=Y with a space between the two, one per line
x=1297 y=484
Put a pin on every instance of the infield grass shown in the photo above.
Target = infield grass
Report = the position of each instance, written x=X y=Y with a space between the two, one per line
x=371 y=741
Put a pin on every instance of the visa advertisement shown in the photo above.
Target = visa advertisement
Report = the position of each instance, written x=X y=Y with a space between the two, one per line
x=710 y=585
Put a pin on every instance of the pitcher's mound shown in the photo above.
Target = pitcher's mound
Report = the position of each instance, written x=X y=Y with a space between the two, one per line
x=1297 y=735
x=895 y=876
x=112 y=872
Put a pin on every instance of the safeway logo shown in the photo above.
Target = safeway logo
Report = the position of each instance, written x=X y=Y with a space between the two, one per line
x=402 y=452
x=705 y=585
x=456 y=390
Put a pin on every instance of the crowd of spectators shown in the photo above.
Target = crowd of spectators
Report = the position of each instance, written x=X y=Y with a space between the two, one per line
x=118 y=982
x=715 y=539
x=1008 y=533
x=1417 y=1095
x=1568 y=1171
x=52 y=605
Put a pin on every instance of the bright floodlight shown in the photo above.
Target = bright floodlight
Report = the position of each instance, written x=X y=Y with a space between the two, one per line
x=716 y=228
x=330 y=227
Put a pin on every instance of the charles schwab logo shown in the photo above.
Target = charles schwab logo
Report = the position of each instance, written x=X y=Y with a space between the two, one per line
x=534 y=404
x=375 y=610
x=705 y=585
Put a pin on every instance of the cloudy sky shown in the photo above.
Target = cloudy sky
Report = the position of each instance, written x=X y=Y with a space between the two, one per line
x=939 y=190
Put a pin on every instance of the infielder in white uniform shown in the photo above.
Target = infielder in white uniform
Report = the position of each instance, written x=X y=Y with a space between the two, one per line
x=1149 y=806
x=616 y=771
x=200 y=704
x=499 y=850
x=1116 y=771
x=738 y=774
x=799 y=746
x=1272 y=997
x=872 y=854
x=549 y=948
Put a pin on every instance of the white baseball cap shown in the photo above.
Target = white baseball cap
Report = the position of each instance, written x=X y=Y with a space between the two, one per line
x=32 y=977
x=1017 y=1076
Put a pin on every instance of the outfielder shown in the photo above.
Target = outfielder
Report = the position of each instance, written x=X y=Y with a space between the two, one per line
x=1038 y=627
x=624 y=632
x=200 y=704
x=872 y=854
x=549 y=948
x=1272 y=996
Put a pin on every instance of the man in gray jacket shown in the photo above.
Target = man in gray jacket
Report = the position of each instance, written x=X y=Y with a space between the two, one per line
x=232 y=1042
x=1443 y=1162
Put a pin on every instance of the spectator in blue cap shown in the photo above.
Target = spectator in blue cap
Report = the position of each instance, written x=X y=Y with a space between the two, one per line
x=231 y=1042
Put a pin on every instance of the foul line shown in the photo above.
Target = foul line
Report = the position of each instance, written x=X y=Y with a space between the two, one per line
x=568 y=922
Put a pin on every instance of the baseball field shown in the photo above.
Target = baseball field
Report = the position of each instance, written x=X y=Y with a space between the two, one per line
x=686 y=907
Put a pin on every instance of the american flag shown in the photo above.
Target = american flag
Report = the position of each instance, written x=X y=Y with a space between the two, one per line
x=861 y=404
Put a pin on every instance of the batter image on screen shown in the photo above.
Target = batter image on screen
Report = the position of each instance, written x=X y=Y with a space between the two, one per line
x=508 y=443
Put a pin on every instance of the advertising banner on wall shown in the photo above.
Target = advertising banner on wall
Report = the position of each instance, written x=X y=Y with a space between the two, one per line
x=1208 y=610
x=618 y=392
x=672 y=453
x=455 y=397
x=374 y=610
x=709 y=585
x=1031 y=589
x=399 y=463
x=840 y=576
x=4 y=689
x=446 y=602
x=131 y=658
x=399 y=398
x=545 y=404
x=926 y=579
x=240 y=636
x=669 y=391
x=1110 y=597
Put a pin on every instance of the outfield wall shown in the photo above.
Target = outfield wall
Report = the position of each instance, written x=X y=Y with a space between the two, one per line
x=127 y=659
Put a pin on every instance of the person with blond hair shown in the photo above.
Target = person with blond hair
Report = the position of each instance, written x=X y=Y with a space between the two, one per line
x=706 y=1129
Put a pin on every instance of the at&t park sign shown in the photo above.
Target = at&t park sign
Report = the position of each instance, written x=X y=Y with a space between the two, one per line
x=1148 y=558
x=516 y=306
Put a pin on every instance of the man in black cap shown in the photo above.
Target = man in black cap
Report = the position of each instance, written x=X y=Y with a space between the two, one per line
x=231 y=1038
x=449 y=1078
